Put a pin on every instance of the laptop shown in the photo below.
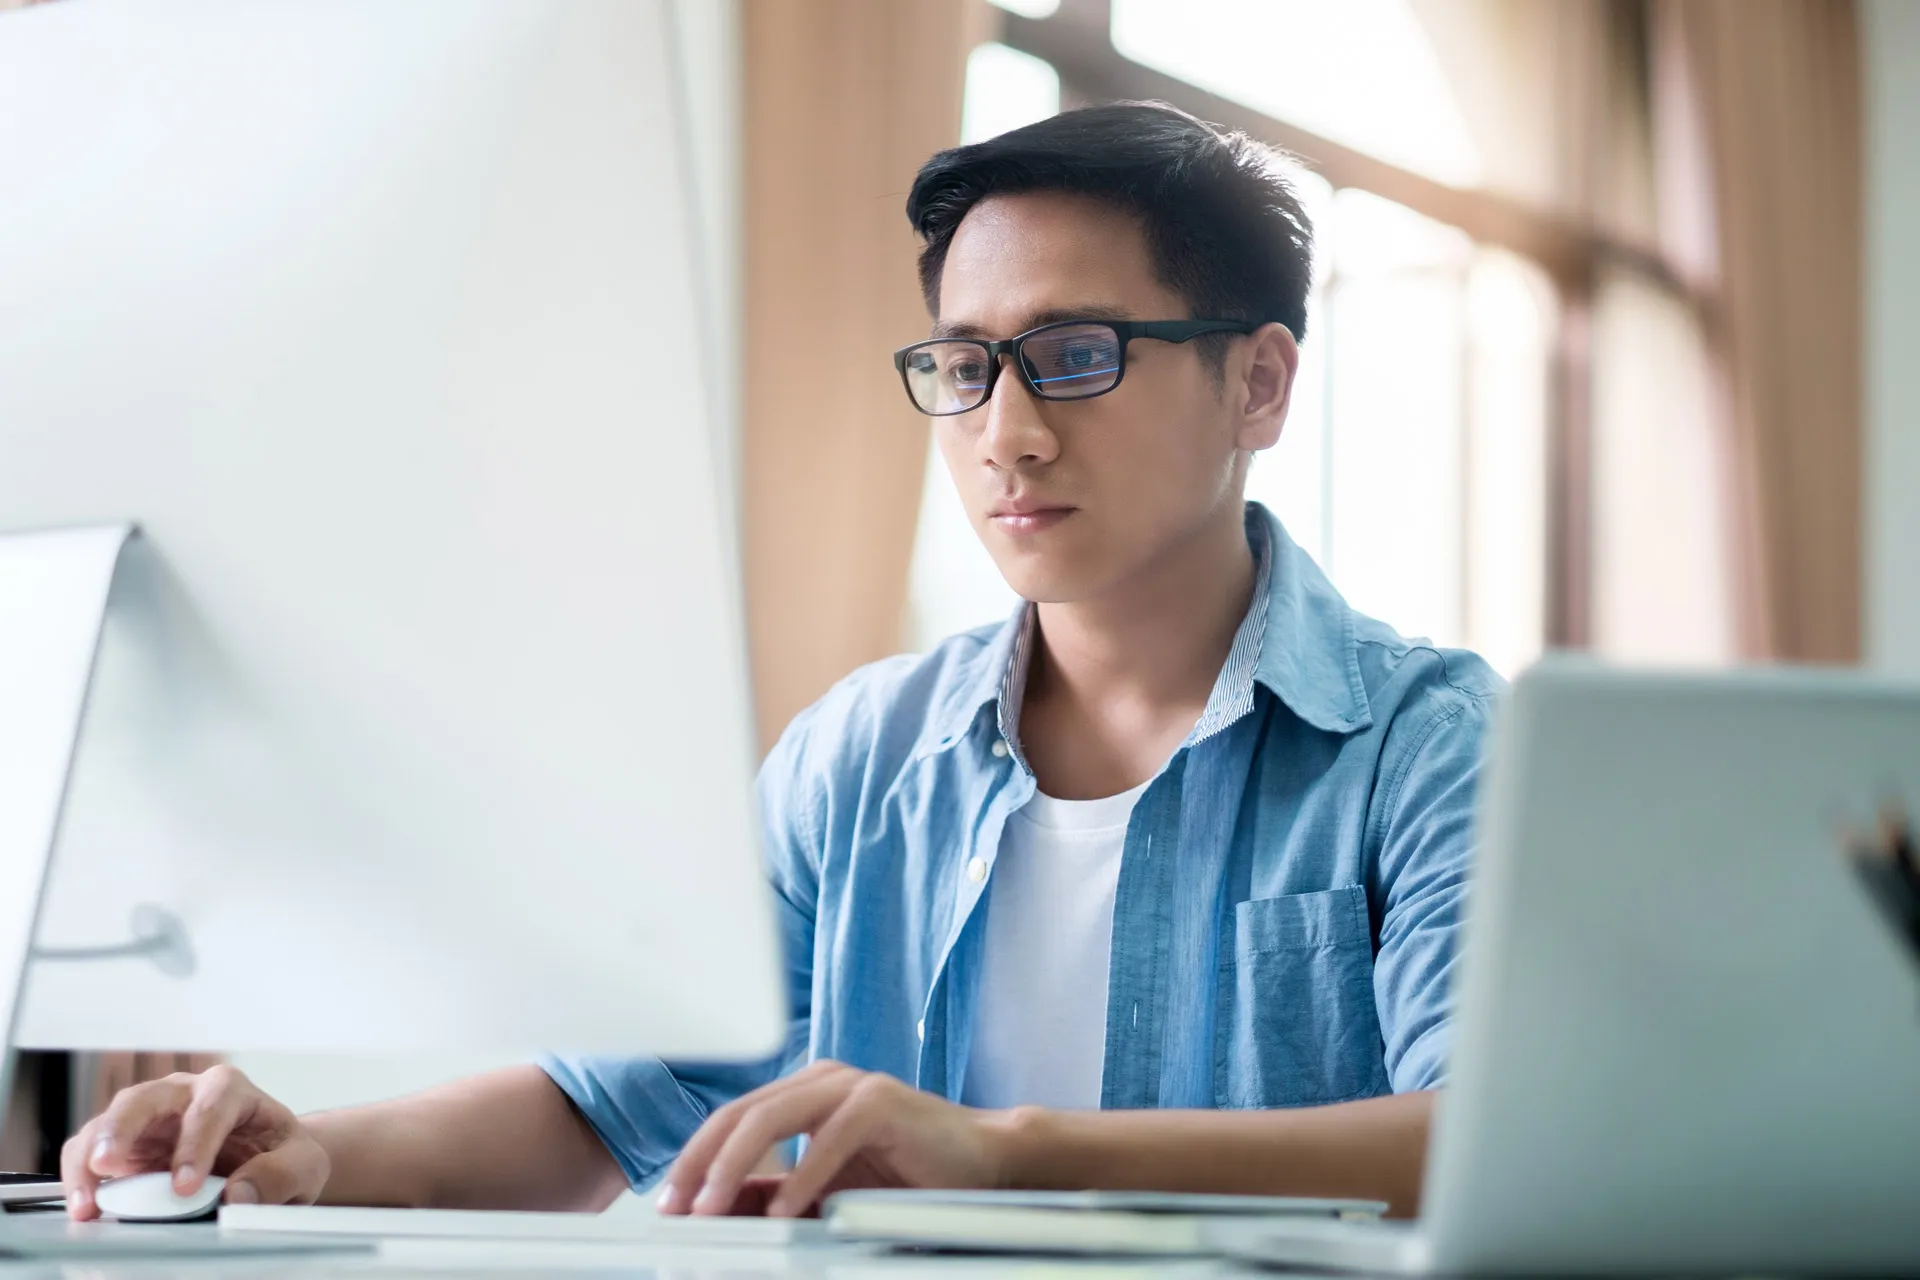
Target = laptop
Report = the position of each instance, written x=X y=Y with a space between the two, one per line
x=1684 y=1040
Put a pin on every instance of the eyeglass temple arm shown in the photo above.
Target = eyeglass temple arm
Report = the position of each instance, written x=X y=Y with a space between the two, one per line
x=1180 y=330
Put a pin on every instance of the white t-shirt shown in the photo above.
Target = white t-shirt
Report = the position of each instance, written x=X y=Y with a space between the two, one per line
x=1040 y=1029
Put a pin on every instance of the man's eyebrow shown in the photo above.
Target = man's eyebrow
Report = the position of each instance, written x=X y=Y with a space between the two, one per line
x=1052 y=315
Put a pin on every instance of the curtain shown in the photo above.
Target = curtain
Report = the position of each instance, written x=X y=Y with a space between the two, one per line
x=1776 y=88
x=1718 y=143
x=844 y=100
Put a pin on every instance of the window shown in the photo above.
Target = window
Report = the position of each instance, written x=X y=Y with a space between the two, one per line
x=1360 y=72
x=1413 y=463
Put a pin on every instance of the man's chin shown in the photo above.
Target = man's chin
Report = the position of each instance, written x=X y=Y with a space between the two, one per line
x=1051 y=583
x=1072 y=562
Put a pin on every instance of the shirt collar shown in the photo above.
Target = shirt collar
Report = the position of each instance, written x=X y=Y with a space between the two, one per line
x=1314 y=663
x=1313 y=666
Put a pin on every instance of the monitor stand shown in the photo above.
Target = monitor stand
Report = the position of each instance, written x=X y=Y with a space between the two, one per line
x=54 y=589
x=53 y=602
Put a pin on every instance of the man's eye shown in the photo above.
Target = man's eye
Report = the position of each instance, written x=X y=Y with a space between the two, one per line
x=1078 y=357
x=969 y=371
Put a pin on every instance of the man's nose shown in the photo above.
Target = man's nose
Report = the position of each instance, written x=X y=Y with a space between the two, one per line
x=1015 y=433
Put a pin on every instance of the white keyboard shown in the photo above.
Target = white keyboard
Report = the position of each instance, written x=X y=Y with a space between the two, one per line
x=464 y=1224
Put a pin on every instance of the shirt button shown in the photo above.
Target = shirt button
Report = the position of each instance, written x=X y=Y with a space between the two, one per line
x=977 y=870
x=1000 y=749
x=920 y=1029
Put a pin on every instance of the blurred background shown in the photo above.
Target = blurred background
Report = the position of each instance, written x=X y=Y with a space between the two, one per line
x=1588 y=357
x=1611 y=345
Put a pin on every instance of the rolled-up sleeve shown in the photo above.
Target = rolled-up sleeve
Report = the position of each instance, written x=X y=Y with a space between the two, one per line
x=644 y=1109
x=1425 y=855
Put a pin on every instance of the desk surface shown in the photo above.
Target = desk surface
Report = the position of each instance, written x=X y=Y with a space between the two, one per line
x=496 y=1258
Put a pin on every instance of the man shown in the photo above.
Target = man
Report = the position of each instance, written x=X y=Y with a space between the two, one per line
x=1156 y=885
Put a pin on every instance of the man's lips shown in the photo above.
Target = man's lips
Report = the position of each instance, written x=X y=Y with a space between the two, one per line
x=1028 y=517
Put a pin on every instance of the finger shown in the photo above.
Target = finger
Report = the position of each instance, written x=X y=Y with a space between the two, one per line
x=293 y=1174
x=829 y=1149
x=755 y=1196
x=684 y=1179
x=80 y=1181
x=796 y=1111
x=131 y=1113
x=221 y=1097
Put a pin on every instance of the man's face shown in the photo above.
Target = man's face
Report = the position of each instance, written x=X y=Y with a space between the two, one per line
x=1075 y=498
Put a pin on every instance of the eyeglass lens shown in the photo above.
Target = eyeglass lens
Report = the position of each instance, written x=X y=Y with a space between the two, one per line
x=1072 y=361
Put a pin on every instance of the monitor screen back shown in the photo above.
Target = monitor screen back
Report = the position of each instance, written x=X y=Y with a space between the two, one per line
x=422 y=698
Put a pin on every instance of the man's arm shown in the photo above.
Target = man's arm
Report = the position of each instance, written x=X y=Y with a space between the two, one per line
x=1374 y=1149
x=508 y=1139
x=505 y=1140
x=867 y=1129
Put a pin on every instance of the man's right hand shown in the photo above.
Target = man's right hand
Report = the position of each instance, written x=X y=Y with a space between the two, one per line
x=217 y=1122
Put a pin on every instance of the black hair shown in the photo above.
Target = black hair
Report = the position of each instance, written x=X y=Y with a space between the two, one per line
x=1223 y=226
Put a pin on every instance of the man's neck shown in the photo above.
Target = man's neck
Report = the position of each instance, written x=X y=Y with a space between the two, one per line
x=1117 y=682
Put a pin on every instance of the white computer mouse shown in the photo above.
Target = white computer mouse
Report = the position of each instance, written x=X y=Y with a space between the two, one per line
x=150 y=1197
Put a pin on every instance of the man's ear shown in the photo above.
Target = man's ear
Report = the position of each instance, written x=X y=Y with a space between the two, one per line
x=1269 y=364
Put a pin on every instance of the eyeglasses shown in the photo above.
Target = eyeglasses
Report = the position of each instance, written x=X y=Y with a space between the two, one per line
x=1070 y=360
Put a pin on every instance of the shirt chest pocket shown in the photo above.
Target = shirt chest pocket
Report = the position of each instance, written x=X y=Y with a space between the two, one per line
x=1295 y=1023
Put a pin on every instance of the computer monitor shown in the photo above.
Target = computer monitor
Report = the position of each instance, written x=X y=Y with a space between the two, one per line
x=421 y=704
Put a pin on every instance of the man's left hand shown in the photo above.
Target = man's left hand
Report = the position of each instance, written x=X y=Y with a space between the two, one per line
x=864 y=1129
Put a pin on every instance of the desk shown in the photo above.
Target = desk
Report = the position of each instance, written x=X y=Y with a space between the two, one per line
x=495 y=1259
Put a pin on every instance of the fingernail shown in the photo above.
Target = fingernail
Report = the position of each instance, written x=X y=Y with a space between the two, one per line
x=103 y=1147
x=76 y=1200
x=708 y=1201
x=242 y=1193
x=666 y=1198
x=183 y=1176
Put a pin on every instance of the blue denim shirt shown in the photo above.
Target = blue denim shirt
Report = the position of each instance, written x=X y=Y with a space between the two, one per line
x=1289 y=897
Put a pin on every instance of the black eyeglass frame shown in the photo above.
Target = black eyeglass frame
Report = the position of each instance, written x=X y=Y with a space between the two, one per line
x=1125 y=330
